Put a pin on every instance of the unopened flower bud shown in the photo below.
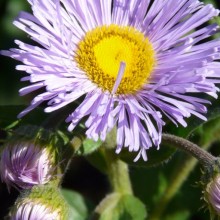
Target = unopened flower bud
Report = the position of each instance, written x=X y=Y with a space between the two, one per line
x=40 y=203
x=212 y=195
x=25 y=164
x=30 y=158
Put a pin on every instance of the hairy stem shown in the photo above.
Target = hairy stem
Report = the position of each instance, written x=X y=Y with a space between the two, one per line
x=178 y=177
x=118 y=173
x=117 y=170
x=205 y=158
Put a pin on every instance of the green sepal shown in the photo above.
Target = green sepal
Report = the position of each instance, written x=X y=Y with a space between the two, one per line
x=41 y=137
x=47 y=195
x=120 y=207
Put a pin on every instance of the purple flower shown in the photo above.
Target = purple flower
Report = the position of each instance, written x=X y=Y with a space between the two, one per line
x=134 y=61
x=24 y=164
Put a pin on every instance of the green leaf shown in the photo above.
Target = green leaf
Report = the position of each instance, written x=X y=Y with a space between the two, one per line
x=88 y=146
x=97 y=159
x=155 y=157
x=132 y=208
x=121 y=207
x=107 y=209
x=78 y=209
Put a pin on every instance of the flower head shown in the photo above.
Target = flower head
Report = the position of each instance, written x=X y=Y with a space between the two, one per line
x=41 y=203
x=31 y=156
x=25 y=164
x=132 y=60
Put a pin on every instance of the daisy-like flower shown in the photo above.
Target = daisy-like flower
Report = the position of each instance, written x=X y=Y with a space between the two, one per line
x=24 y=164
x=133 y=61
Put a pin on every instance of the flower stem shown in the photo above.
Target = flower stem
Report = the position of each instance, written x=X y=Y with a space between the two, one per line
x=117 y=170
x=205 y=158
x=178 y=177
x=118 y=173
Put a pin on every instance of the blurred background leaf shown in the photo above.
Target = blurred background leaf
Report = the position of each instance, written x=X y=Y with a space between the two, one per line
x=77 y=204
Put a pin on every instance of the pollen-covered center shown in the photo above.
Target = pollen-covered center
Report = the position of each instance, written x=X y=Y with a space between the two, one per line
x=103 y=49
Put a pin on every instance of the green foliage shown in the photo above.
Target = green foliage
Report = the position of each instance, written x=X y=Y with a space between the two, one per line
x=151 y=185
x=121 y=207
x=88 y=147
x=47 y=196
x=97 y=159
x=77 y=204
x=132 y=208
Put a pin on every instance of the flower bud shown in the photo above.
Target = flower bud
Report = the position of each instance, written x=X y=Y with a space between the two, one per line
x=43 y=202
x=25 y=164
x=212 y=195
x=31 y=157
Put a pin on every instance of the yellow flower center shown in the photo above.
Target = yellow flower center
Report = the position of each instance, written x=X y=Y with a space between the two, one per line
x=102 y=51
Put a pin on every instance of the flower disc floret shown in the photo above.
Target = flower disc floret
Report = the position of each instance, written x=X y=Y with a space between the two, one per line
x=102 y=50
